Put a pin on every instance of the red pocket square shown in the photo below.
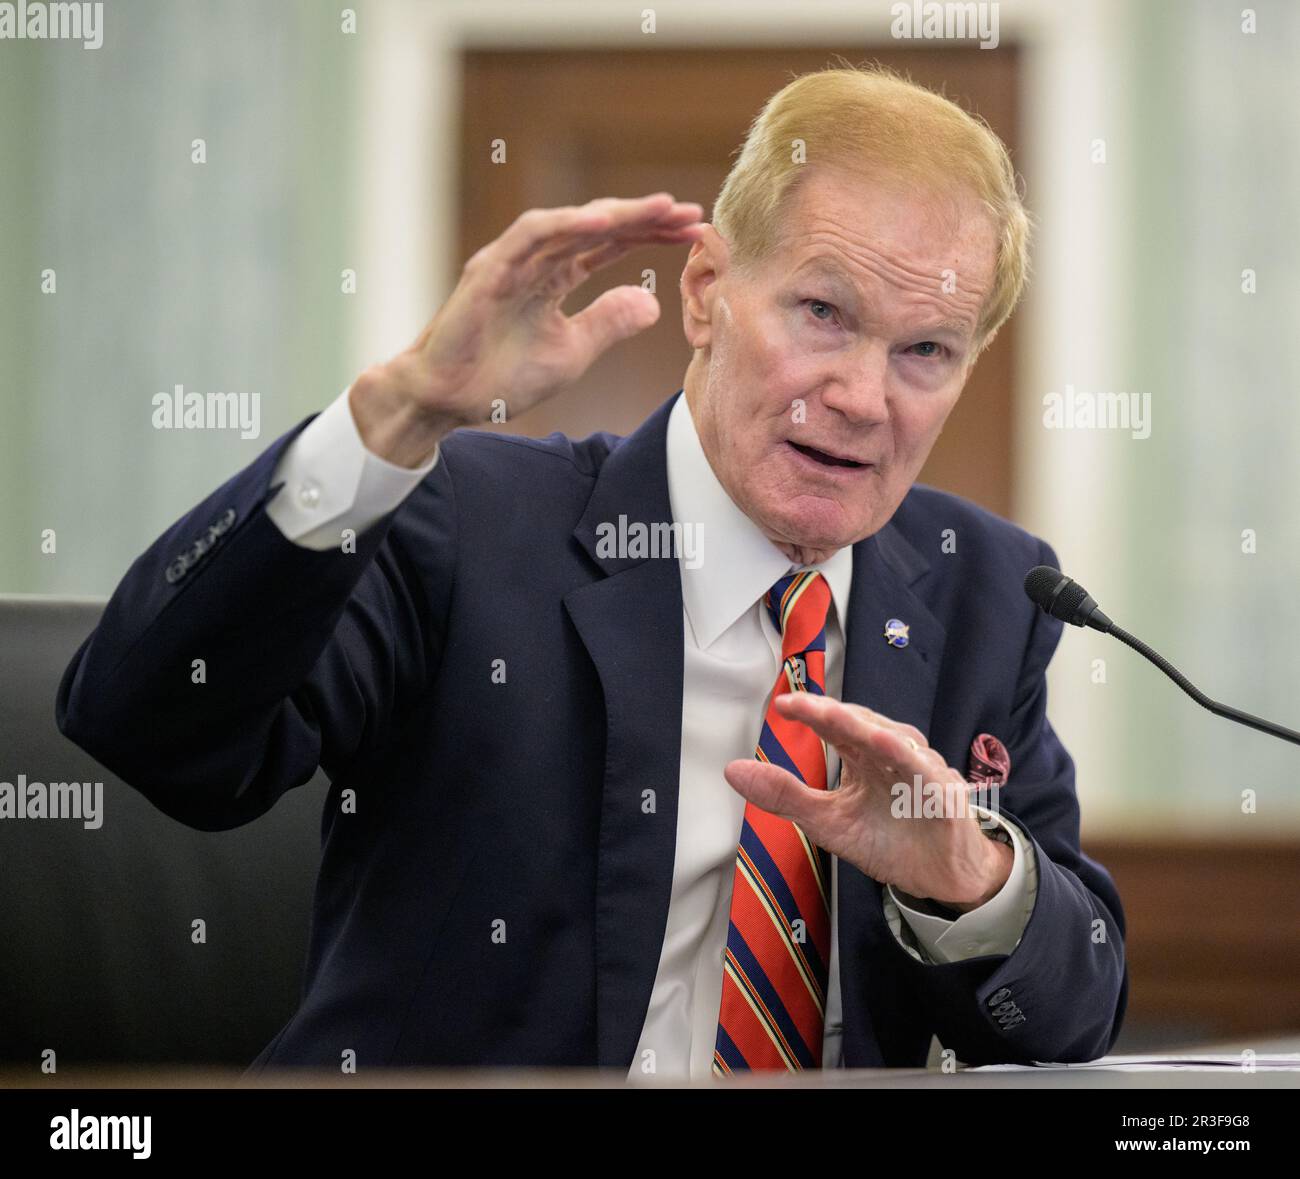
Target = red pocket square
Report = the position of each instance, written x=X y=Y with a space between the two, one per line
x=990 y=763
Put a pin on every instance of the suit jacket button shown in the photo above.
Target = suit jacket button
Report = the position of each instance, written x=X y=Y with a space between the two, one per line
x=999 y=996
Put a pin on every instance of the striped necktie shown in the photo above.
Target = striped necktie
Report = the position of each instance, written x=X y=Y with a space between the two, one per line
x=775 y=967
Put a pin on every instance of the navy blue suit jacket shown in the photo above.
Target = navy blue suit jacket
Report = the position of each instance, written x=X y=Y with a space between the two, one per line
x=520 y=802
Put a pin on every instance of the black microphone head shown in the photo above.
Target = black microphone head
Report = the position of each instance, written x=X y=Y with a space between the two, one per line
x=1064 y=598
x=1042 y=583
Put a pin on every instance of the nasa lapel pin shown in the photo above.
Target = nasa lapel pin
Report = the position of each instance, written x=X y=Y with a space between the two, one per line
x=896 y=633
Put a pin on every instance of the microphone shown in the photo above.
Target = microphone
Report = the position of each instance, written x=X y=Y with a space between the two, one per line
x=1064 y=598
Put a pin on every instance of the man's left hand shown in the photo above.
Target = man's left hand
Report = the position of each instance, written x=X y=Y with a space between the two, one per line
x=948 y=859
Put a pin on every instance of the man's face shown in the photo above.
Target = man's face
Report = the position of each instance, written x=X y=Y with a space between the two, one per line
x=822 y=378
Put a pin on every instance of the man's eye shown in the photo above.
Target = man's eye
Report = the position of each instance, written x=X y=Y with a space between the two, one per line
x=820 y=306
x=938 y=349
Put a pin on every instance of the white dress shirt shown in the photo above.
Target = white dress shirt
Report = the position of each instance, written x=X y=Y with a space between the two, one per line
x=732 y=654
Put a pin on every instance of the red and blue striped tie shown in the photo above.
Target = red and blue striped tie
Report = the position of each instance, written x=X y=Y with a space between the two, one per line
x=775 y=967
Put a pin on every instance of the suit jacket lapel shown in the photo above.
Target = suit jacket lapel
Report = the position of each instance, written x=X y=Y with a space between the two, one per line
x=901 y=683
x=630 y=621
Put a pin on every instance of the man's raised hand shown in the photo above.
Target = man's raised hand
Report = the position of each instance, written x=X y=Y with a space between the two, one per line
x=501 y=334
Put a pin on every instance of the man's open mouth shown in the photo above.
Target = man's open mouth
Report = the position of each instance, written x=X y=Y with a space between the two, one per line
x=825 y=459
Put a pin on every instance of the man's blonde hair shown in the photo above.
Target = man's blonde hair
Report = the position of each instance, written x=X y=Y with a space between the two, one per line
x=877 y=124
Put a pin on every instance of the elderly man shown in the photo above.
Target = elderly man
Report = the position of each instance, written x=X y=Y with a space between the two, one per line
x=594 y=803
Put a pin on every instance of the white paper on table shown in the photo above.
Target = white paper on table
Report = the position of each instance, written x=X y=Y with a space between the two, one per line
x=1200 y=1062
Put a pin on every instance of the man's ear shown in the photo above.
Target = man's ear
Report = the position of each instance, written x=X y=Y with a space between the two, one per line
x=707 y=262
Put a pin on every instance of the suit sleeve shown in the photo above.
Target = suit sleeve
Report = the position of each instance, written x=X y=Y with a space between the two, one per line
x=1060 y=995
x=231 y=662
x=333 y=484
x=993 y=928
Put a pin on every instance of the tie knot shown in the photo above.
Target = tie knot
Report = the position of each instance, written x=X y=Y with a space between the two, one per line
x=798 y=604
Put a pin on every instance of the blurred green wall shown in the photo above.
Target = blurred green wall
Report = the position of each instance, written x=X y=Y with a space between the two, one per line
x=222 y=276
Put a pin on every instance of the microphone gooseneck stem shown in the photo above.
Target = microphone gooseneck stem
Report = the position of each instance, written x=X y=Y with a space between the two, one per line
x=1196 y=694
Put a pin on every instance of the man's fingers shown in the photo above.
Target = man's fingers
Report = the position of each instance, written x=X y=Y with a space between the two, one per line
x=851 y=729
x=873 y=719
x=779 y=792
x=898 y=752
x=603 y=254
x=538 y=229
x=832 y=721
x=887 y=722
x=617 y=314
x=594 y=250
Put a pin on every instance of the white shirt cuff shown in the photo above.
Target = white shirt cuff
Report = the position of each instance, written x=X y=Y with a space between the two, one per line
x=334 y=484
x=994 y=928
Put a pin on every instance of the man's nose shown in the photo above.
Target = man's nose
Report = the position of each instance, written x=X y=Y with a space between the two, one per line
x=858 y=392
